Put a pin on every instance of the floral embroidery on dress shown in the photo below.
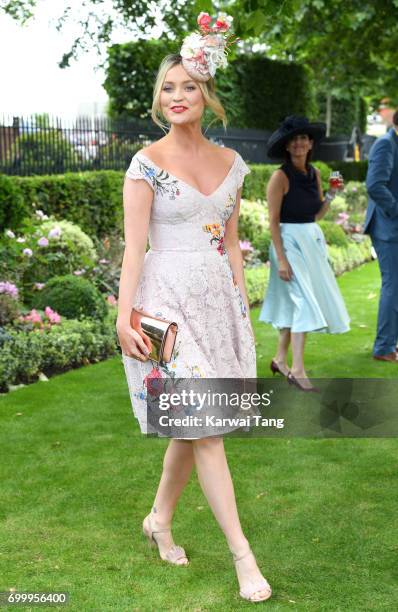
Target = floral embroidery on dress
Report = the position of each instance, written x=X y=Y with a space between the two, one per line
x=243 y=308
x=152 y=382
x=217 y=235
x=195 y=371
x=229 y=207
x=161 y=181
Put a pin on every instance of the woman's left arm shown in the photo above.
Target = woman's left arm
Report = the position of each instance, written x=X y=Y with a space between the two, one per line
x=231 y=243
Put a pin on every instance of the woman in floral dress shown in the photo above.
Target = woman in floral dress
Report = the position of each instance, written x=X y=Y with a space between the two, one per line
x=183 y=193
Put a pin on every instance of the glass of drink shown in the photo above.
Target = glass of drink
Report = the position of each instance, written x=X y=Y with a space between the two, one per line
x=336 y=180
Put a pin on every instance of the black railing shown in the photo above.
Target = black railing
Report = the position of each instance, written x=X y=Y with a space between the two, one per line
x=49 y=145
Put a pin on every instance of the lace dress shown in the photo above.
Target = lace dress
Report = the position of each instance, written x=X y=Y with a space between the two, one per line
x=187 y=278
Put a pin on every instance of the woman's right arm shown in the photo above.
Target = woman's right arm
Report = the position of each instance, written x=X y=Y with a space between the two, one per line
x=275 y=193
x=137 y=203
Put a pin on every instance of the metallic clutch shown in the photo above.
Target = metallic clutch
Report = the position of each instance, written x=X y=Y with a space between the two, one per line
x=161 y=333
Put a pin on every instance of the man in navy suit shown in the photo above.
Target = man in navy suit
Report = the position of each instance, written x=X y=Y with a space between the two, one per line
x=382 y=224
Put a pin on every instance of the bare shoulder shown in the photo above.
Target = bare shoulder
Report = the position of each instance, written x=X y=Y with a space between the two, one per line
x=227 y=154
x=154 y=148
x=279 y=178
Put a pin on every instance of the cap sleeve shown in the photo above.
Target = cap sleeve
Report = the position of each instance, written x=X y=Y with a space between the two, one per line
x=140 y=168
x=242 y=170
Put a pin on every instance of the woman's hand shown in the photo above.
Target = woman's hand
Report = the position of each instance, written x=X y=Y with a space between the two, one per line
x=284 y=270
x=132 y=343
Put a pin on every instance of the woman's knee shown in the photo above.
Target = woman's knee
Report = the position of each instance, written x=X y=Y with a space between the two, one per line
x=211 y=444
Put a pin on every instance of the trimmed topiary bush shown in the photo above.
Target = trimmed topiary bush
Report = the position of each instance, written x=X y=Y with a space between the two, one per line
x=92 y=200
x=72 y=297
x=12 y=208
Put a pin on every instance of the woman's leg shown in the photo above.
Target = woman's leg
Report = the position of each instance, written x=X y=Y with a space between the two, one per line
x=216 y=482
x=298 y=370
x=177 y=468
x=282 y=350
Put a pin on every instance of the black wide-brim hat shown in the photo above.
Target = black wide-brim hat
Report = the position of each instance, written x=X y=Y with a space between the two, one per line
x=292 y=125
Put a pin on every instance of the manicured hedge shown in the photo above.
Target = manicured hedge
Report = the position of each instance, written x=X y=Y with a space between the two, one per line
x=93 y=200
x=352 y=171
x=344 y=259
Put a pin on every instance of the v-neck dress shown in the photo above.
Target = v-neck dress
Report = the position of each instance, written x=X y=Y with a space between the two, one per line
x=187 y=278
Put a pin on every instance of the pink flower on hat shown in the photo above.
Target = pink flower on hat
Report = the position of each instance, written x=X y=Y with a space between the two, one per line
x=204 y=20
x=202 y=53
x=223 y=22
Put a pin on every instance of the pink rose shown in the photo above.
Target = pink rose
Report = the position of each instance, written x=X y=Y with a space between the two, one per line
x=204 y=20
x=223 y=22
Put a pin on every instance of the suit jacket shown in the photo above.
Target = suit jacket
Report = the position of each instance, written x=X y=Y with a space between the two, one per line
x=382 y=184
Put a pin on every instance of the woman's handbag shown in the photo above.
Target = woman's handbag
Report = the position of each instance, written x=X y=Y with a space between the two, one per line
x=161 y=333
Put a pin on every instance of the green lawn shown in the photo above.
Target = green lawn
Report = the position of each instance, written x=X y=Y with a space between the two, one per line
x=78 y=477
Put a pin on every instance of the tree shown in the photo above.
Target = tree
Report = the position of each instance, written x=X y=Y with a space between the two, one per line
x=351 y=45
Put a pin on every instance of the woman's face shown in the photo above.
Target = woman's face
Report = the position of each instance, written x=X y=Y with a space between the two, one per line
x=181 y=98
x=299 y=145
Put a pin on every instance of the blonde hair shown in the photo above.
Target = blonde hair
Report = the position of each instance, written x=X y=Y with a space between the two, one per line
x=207 y=88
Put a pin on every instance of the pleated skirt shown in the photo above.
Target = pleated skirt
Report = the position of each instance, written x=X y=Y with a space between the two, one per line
x=311 y=300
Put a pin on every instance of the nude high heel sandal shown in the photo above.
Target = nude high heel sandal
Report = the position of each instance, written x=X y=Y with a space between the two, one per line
x=174 y=554
x=260 y=585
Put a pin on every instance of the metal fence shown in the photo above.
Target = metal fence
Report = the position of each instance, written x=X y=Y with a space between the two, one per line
x=41 y=144
x=51 y=145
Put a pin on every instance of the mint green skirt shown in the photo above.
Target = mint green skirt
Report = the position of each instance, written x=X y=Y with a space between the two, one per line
x=311 y=300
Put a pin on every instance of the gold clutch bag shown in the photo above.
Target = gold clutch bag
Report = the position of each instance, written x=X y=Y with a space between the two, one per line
x=161 y=333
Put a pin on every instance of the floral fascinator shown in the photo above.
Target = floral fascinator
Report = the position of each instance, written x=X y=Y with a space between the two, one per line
x=205 y=51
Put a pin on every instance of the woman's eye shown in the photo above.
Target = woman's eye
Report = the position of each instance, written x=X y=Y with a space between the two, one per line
x=166 y=88
x=191 y=87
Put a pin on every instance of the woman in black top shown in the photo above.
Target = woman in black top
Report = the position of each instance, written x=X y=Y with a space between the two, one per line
x=302 y=293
